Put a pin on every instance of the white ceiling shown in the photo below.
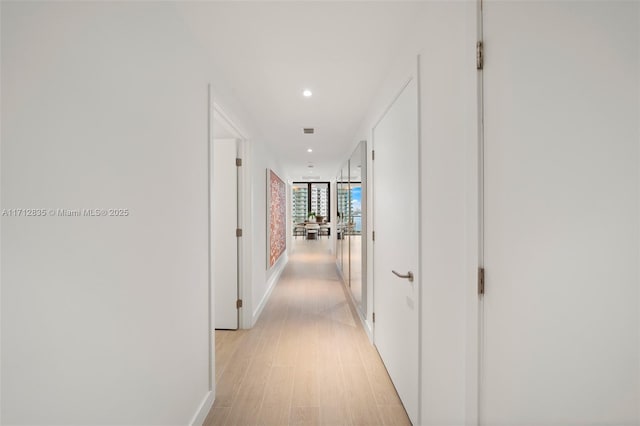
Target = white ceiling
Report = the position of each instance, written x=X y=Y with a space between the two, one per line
x=268 y=52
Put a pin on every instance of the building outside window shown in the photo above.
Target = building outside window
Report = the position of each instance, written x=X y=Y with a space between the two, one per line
x=355 y=207
x=300 y=202
x=320 y=200
x=343 y=202
x=310 y=197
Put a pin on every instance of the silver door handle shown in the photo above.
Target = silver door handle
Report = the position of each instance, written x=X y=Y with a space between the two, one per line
x=409 y=275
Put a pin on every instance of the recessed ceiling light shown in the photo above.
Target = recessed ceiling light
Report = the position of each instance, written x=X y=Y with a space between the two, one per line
x=309 y=150
x=307 y=93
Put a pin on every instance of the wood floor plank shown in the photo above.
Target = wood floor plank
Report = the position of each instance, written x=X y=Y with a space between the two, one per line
x=287 y=348
x=394 y=415
x=274 y=414
x=244 y=413
x=305 y=386
x=382 y=386
x=279 y=387
x=226 y=344
x=220 y=337
x=335 y=415
x=254 y=384
x=359 y=395
x=247 y=347
x=306 y=416
x=307 y=361
x=331 y=385
x=217 y=416
x=334 y=408
x=230 y=381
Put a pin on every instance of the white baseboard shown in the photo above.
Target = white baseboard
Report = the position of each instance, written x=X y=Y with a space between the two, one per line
x=273 y=280
x=201 y=415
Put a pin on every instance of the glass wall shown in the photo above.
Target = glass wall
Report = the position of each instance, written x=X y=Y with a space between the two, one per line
x=351 y=224
x=342 y=191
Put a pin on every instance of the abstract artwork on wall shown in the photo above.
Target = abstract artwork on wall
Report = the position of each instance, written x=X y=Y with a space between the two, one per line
x=277 y=217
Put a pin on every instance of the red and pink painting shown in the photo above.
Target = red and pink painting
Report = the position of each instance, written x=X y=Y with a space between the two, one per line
x=277 y=205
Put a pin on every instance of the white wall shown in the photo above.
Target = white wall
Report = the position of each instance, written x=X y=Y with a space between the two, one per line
x=448 y=222
x=263 y=279
x=104 y=320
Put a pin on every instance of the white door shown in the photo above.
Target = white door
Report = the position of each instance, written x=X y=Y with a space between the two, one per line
x=225 y=242
x=561 y=214
x=395 y=210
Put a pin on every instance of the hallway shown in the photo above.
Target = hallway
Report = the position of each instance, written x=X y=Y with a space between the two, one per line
x=307 y=360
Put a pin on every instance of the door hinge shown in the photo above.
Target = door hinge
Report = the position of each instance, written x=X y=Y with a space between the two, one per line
x=480 y=281
x=479 y=55
x=374 y=317
x=373 y=235
x=238 y=232
x=238 y=162
x=373 y=154
x=238 y=303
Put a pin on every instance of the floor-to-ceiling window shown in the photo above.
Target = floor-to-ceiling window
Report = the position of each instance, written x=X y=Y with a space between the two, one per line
x=310 y=197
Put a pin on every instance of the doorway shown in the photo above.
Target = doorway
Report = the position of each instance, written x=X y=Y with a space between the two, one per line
x=227 y=222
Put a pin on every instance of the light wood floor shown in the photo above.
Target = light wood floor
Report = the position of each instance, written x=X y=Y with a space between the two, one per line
x=307 y=361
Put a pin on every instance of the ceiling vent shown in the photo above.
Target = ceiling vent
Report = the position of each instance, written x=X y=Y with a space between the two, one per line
x=308 y=130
